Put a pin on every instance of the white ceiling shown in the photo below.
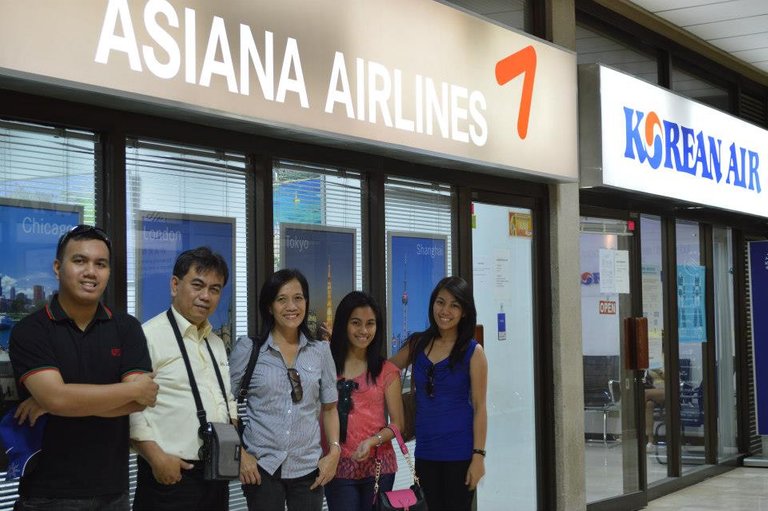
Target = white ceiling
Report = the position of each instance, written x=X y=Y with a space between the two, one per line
x=738 y=27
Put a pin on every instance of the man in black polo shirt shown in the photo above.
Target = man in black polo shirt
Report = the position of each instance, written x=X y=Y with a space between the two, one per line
x=88 y=368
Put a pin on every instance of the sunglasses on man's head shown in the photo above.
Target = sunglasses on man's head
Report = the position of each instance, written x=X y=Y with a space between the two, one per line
x=297 y=392
x=80 y=230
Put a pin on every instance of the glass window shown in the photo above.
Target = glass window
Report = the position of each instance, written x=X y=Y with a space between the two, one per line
x=653 y=309
x=594 y=47
x=510 y=13
x=47 y=185
x=318 y=230
x=418 y=224
x=725 y=340
x=179 y=198
x=701 y=90
x=692 y=338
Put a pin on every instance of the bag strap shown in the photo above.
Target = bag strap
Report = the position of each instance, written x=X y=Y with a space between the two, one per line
x=192 y=382
x=394 y=429
x=404 y=449
x=245 y=382
x=218 y=374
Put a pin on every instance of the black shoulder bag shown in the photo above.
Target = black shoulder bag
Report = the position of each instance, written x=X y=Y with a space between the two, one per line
x=220 y=452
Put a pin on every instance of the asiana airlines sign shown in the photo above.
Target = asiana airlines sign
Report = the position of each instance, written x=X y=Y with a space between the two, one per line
x=408 y=75
x=657 y=142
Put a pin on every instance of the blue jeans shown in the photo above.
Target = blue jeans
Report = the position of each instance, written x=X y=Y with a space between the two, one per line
x=274 y=493
x=112 y=502
x=355 y=494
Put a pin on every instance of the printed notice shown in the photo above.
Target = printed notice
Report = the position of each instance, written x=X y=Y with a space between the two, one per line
x=621 y=271
x=607 y=277
x=614 y=271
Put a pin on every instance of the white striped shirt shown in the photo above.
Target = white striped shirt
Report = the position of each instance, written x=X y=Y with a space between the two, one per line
x=278 y=431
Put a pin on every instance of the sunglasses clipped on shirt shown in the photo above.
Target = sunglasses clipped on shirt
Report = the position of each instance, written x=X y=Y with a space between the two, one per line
x=297 y=391
x=431 y=380
x=81 y=229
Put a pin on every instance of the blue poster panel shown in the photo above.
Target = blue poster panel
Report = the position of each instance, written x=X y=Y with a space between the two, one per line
x=326 y=257
x=160 y=238
x=416 y=264
x=691 y=306
x=26 y=271
x=758 y=282
x=29 y=233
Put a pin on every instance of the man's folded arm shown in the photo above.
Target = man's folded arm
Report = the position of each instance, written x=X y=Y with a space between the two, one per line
x=82 y=400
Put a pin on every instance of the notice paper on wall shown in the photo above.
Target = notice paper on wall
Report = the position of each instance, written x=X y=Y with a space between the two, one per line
x=614 y=271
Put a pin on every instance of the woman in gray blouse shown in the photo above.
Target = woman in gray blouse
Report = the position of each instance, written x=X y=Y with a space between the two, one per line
x=293 y=382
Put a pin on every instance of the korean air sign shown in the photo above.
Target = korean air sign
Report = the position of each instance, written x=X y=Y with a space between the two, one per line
x=654 y=141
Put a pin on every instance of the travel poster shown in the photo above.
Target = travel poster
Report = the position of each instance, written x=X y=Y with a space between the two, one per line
x=326 y=257
x=160 y=238
x=416 y=262
x=758 y=283
x=691 y=311
x=29 y=234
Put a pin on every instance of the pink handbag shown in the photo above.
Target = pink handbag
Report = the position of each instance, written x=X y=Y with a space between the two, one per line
x=411 y=499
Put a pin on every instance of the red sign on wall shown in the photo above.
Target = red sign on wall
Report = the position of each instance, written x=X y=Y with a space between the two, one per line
x=607 y=307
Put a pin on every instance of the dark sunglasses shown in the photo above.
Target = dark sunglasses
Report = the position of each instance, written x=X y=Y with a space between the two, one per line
x=431 y=380
x=80 y=230
x=297 y=392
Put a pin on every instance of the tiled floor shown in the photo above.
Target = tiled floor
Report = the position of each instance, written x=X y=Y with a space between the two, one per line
x=741 y=489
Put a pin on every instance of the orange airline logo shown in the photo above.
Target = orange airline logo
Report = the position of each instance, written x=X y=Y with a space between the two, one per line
x=523 y=62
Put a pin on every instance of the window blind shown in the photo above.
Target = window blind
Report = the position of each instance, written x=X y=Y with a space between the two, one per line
x=43 y=165
x=48 y=165
x=310 y=194
x=181 y=180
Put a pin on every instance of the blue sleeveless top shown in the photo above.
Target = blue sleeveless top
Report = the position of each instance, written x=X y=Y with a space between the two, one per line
x=444 y=429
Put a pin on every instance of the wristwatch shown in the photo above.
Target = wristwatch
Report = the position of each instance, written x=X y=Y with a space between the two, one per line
x=481 y=452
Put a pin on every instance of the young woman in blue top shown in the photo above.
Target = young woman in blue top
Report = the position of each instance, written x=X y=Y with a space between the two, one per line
x=450 y=374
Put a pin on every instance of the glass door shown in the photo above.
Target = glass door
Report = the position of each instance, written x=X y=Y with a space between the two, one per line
x=612 y=463
x=502 y=271
x=655 y=416
x=692 y=344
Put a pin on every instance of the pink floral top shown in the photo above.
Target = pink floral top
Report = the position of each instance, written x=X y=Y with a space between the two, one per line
x=367 y=418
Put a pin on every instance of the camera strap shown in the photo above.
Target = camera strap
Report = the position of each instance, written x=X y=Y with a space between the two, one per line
x=195 y=392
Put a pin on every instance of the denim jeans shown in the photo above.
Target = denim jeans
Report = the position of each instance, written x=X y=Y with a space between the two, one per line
x=355 y=494
x=111 y=502
x=274 y=493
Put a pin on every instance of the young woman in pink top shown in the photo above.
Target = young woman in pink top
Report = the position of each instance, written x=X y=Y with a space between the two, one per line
x=369 y=390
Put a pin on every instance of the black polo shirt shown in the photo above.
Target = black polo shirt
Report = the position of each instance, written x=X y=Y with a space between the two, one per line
x=81 y=456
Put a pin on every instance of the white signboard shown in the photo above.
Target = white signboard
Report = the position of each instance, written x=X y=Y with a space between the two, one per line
x=398 y=74
x=660 y=143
